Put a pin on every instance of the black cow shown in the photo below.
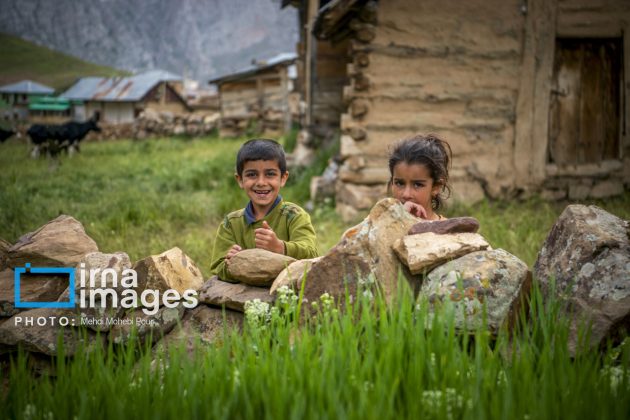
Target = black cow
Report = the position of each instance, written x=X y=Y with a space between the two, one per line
x=56 y=138
x=5 y=134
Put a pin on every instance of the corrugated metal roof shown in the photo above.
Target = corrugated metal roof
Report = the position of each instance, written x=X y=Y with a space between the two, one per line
x=118 y=89
x=259 y=66
x=27 y=86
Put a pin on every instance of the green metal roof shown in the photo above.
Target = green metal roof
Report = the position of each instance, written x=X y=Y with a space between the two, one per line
x=49 y=103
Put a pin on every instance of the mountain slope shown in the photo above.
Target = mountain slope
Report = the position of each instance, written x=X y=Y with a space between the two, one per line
x=24 y=60
x=195 y=38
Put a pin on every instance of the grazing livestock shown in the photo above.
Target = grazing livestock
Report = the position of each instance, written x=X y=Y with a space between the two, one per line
x=5 y=134
x=55 y=138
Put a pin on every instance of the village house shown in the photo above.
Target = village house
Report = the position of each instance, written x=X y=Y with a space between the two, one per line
x=259 y=94
x=120 y=100
x=51 y=110
x=531 y=95
x=17 y=96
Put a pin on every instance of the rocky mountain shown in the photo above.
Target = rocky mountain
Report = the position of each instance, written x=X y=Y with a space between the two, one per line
x=196 y=38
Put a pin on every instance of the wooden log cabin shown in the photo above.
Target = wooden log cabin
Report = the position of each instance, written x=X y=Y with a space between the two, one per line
x=257 y=98
x=531 y=95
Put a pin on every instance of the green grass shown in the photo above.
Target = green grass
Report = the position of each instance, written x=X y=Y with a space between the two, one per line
x=139 y=197
x=25 y=60
x=367 y=362
x=144 y=197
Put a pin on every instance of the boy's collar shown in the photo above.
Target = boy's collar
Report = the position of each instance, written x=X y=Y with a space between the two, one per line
x=250 y=218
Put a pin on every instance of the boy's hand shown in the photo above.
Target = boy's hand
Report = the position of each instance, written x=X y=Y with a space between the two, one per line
x=233 y=251
x=267 y=239
x=415 y=209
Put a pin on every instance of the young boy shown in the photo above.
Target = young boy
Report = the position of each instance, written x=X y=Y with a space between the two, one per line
x=267 y=222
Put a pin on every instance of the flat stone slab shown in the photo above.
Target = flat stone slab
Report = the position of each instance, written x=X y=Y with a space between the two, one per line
x=231 y=295
x=422 y=252
x=441 y=227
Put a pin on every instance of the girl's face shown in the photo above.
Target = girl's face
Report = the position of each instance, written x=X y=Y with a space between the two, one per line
x=413 y=182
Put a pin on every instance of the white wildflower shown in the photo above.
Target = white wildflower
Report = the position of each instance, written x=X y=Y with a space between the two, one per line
x=369 y=280
x=286 y=297
x=236 y=377
x=433 y=360
x=327 y=301
x=616 y=376
x=501 y=378
x=433 y=400
x=257 y=313
x=30 y=411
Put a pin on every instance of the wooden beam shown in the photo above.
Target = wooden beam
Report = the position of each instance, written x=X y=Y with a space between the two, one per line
x=532 y=108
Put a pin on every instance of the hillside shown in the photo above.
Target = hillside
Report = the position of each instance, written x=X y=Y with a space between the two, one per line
x=24 y=60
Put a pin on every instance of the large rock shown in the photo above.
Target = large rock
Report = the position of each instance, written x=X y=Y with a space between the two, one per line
x=496 y=279
x=231 y=295
x=99 y=316
x=61 y=242
x=587 y=252
x=453 y=225
x=363 y=254
x=171 y=269
x=143 y=325
x=258 y=267
x=4 y=251
x=39 y=330
x=33 y=288
x=201 y=325
x=422 y=252
x=292 y=275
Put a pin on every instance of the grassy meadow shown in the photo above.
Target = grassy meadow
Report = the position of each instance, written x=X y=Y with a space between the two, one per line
x=144 y=197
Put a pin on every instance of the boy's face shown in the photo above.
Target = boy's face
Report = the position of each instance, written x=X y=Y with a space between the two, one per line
x=262 y=181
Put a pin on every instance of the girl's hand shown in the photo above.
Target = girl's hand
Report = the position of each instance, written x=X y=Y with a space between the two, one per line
x=233 y=251
x=267 y=239
x=415 y=210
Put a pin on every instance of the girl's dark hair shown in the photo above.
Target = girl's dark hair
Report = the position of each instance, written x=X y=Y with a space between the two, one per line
x=430 y=151
x=260 y=149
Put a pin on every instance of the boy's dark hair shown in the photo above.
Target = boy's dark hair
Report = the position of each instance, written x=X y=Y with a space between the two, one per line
x=430 y=151
x=260 y=149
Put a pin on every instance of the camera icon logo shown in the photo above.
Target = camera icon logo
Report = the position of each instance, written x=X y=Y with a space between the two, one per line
x=43 y=270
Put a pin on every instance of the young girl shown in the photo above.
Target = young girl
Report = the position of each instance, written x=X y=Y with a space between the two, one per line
x=419 y=175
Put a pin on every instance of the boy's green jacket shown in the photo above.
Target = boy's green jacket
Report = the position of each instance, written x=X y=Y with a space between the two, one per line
x=290 y=223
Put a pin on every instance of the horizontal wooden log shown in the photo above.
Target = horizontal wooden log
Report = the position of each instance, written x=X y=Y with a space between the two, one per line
x=362 y=59
x=359 y=108
x=361 y=82
x=365 y=33
x=368 y=13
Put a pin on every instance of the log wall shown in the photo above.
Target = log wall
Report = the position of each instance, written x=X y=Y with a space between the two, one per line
x=476 y=73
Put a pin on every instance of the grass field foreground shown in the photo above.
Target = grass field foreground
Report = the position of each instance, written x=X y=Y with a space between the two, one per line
x=367 y=362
